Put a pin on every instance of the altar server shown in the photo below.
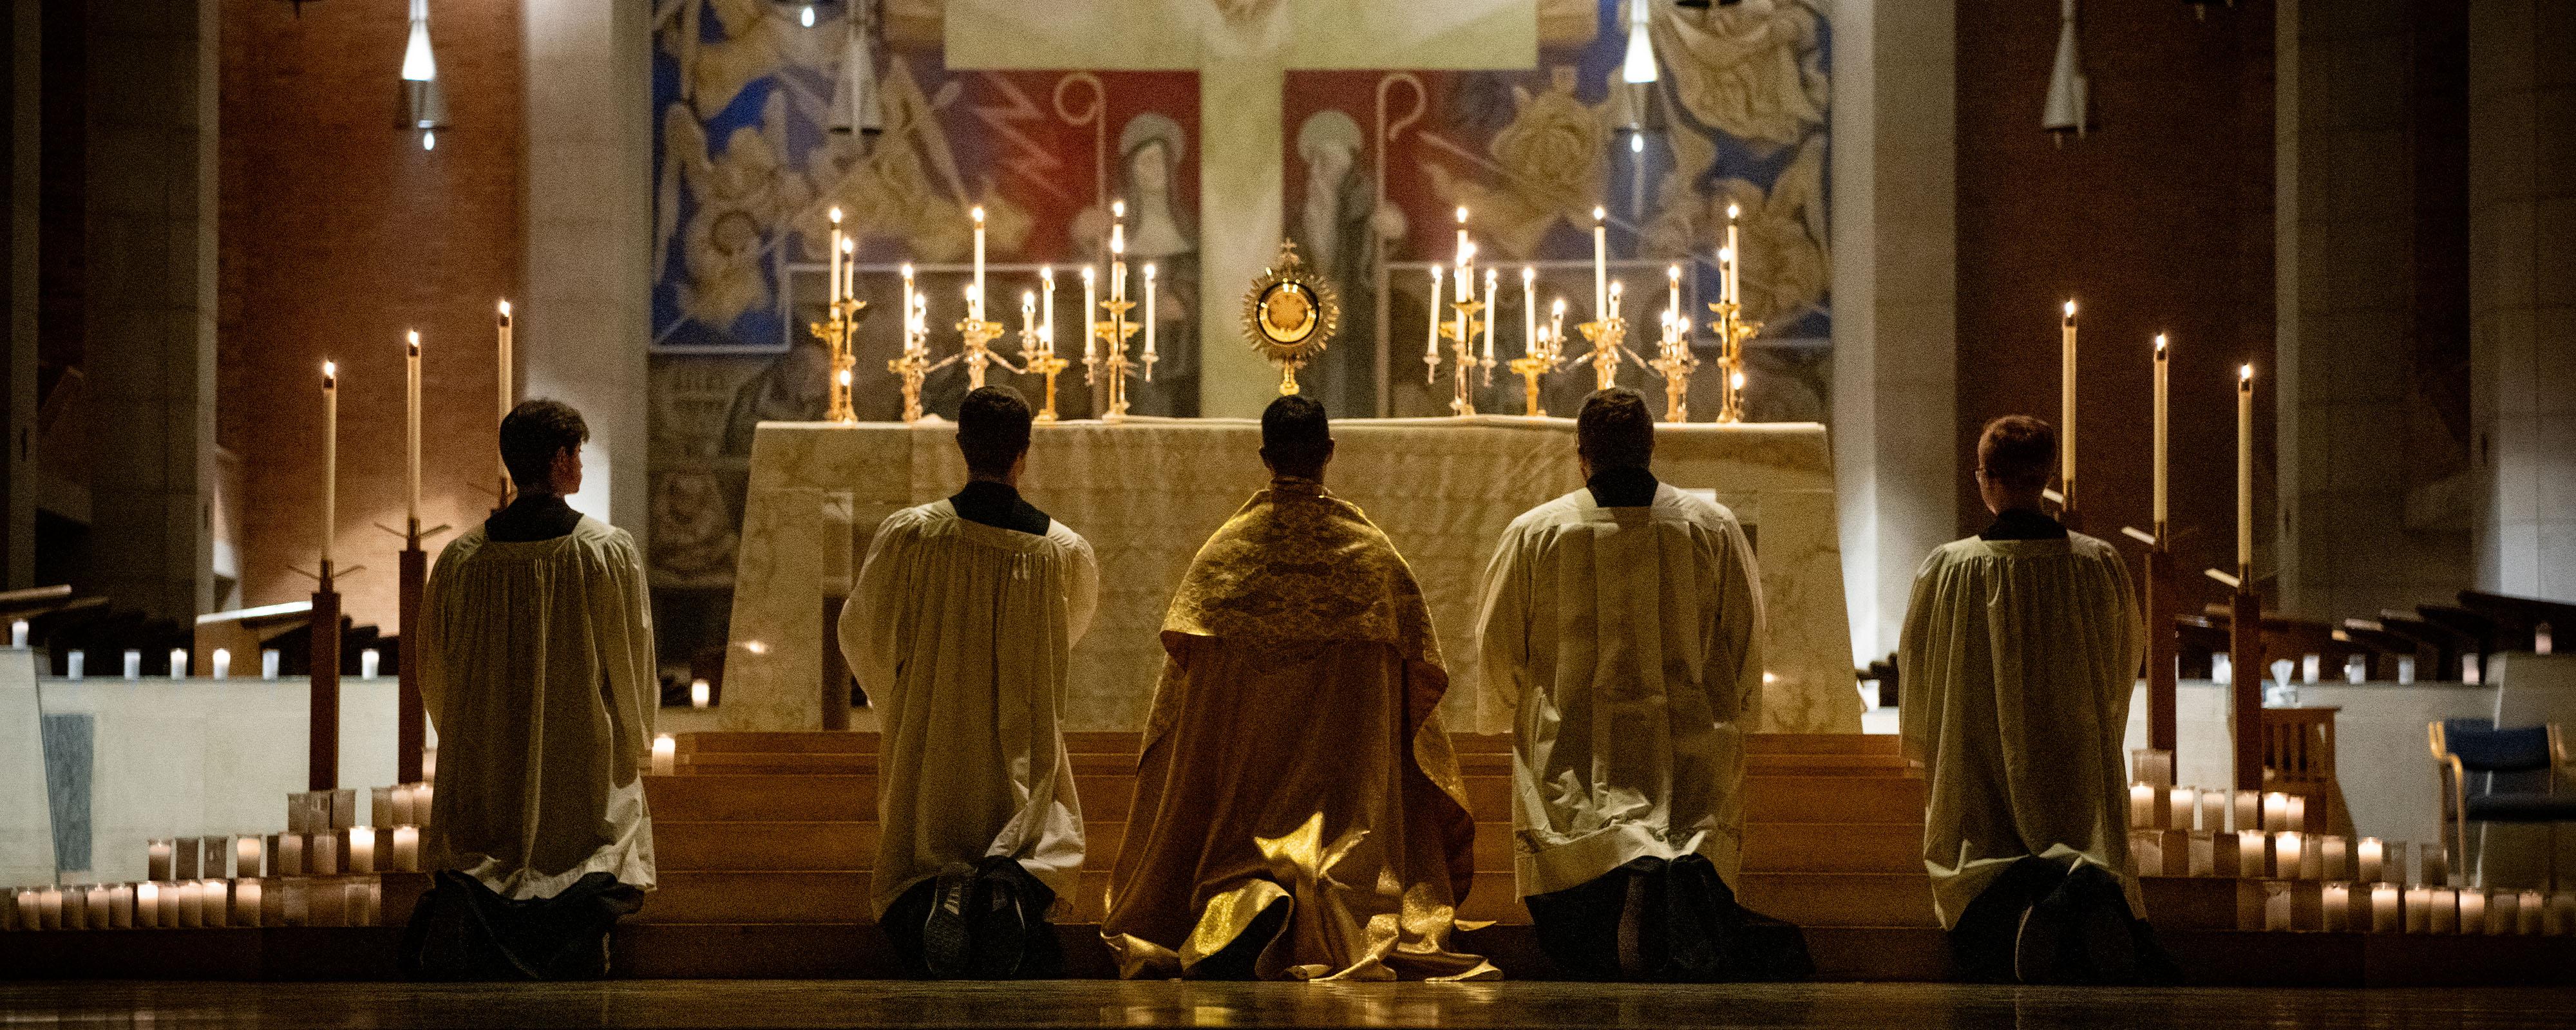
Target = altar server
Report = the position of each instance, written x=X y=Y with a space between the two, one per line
x=537 y=669
x=1298 y=813
x=2020 y=648
x=960 y=630
x=1621 y=634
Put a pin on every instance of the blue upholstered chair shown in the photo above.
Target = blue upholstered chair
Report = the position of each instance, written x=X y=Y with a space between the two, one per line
x=2490 y=775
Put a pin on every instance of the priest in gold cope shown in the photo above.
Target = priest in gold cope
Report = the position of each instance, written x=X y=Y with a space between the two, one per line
x=1298 y=812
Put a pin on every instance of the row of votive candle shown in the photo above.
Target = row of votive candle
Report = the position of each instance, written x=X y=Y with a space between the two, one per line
x=2154 y=807
x=2286 y=855
x=357 y=849
x=315 y=811
x=2388 y=908
x=76 y=664
x=190 y=904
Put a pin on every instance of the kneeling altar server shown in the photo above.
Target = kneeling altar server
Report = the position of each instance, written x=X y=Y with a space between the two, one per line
x=1298 y=813
x=1621 y=634
x=2021 y=646
x=537 y=669
x=964 y=619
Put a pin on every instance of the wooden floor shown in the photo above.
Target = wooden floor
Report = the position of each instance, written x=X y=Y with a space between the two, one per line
x=677 y=1004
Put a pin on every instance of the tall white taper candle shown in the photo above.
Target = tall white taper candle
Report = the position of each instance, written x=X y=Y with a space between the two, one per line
x=411 y=428
x=2245 y=479
x=1600 y=263
x=330 y=455
x=2161 y=367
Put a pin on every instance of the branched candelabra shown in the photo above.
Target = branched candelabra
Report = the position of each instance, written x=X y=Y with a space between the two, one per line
x=978 y=353
x=1546 y=354
x=1674 y=360
x=1732 y=330
x=838 y=331
x=1608 y=333
x=1037 y=343
x=1461 y=333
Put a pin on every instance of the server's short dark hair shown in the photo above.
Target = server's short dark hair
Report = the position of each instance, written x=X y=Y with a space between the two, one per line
x=1615 y=430
x=1296 y=436
x=533 y=433
x=993 y=429
x=2018 y=451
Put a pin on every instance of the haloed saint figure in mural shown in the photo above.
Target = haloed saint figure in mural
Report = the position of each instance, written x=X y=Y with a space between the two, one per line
x=1338 y=227
x=1150 y=148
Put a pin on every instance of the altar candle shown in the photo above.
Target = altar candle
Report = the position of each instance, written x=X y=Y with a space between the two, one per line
x=2179 y=805
x=330 y=455
x=832 y=291
x=2337 y=902
x=18 y=634
x=214 y=903
x=502 y=375
x=907 y=305
x=1556 y=326
x=2142 y=806
x=2213 y=810
x=362 y=849
x=1489 y=314
x=666 y=755
x=2160 y=439
x=250 y=854
x=1028 y=314
x=1600 y=263
x=2250 y=855
x=1613 y=310
x=223 y=663
x=2333 y=858
x=185 y=899
x=1118 y=259
x=290 y=854
x=157 y=861
x=147 y=904
x=849 y=267
x=2066 y=406
x=1431 y=340
x=100 y=900
x=2245 y=475
x=2366 y=859
x=2384 y=916
x=75 y=665
x=2504 y=913
x=411 y=428
x=2287 y=854
x=268 y=663
x=1149 y=309
x=406 y=849
x=1733 y=280
x=2276 y=812
x=370 y=661
x=1090 y=304
x=1529 y=310
x=247 y=895
x=2446 y=911
x=1465 y=255
x=977 y=312
x=2473 y=910
x=1046 y=332
x=1673 y=306
x=178 y=663
x=700 y=693
x=2298 y=818
x=2530 y=912
x=120 y=906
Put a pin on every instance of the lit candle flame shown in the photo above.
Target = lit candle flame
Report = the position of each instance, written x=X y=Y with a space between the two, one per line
x=1462 y=214
x=1528 y=274
x=836 y=216
x=1149 y=271
x=2070 y=309
x=2160 y=345
x=1732 y=211
x=2245 y=375
x=505 y=309
x=907 y=269
x=330 y=371
x=978 y=213
x=1118 y=209
x=1725 y=254
x=1599 y=213
x=845 y=377
x=414 y=340
x=848 y=245
x=1046 y=273
x=1673 y=273
x=1558 y=308
x=1028 y=297
x=1086 y=273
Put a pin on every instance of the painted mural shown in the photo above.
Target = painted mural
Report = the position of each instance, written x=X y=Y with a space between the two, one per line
x=1376 y=161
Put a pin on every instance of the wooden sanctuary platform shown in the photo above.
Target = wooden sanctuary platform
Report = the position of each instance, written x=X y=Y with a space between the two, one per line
x=765 y=839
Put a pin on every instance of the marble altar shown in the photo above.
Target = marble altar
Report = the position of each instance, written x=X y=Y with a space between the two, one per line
x=1148 y=491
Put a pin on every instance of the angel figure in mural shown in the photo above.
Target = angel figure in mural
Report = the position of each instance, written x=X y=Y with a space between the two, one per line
x=1150 y=148
x=1788 y=267
x=1550 y=160
x=1341 y=231
x=1753 y=70
x=752 y=40
x=741 y=194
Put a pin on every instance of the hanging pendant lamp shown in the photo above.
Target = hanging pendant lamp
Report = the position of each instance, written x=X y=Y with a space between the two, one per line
x=424 y=104
x=856 y=105
x=2067 y=85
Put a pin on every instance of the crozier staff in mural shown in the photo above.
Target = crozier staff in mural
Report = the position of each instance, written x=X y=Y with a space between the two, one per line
x=1150 y=148
x=1339 y=226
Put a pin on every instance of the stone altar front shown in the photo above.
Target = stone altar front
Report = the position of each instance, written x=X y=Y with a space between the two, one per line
x=1147 y=492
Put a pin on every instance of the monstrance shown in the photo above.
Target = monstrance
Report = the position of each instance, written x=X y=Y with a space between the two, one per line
x=1290 y=315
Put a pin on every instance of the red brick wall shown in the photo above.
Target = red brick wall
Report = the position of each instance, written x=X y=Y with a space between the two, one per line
x=2159 y=220
x=338 y=232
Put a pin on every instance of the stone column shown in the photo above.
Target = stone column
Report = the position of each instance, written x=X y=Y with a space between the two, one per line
x=1895 y=303
x=149 y=324
x=583 y=328
x=2522 y=290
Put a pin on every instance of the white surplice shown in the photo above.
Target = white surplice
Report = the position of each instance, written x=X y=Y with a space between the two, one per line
x=537 y=669
x=2014 y=676
x=960 y=634
x=1622 y=648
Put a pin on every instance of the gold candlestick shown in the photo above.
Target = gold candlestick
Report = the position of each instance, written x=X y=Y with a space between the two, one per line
x=1543 y=355
x=1675 y=362
x=1732 y=330
x=913 y=364
x=1037 y=352
x=837 y=331
x=1110 y=364
x=979 y=334
x=1608 y=336
x=1461 y=334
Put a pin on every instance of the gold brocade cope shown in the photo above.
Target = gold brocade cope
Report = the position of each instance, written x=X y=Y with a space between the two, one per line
x=1294 y=766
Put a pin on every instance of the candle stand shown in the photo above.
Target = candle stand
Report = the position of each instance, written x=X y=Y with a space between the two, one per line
x=323 y=746
x=1608 y=337
x=2164 y=602
x=411 y=722
x=1545 y=354
x=1037 y=357
x=1109 y=363
x=1674 y=360
x=838 y=332
x=978 y=353
x=1732 y=330
x=1461 y=334
x=2245 y=685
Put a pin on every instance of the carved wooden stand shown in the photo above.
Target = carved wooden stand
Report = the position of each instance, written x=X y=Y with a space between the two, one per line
x=323 y=748
x=2245 y=684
